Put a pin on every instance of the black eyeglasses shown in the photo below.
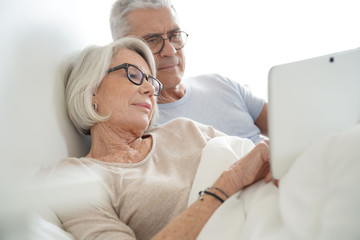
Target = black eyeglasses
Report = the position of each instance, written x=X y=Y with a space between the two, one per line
x=136 y=76
x=157 y=42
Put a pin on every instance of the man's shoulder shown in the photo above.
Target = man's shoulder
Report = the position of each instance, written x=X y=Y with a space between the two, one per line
x=214 y=79
x=205 y=77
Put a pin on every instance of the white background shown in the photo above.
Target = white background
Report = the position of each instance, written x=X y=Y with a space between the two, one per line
x=244 y=39
x=237 y=38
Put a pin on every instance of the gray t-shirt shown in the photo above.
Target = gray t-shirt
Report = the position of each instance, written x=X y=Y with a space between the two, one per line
x=219 y=102
x=141 y=198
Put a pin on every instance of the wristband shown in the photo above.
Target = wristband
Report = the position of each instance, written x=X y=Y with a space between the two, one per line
x=201 y=195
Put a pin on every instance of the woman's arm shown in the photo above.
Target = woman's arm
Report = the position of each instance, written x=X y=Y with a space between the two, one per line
x=249 y=169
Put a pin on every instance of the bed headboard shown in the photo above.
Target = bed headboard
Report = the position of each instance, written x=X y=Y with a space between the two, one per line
x=34 y=126
x=35 y=130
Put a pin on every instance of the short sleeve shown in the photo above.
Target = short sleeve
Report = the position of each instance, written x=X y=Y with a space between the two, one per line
x=253 y=103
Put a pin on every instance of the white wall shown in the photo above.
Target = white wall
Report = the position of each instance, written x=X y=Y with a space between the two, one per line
x=35 y=131
x=244 y=38
x=35 y=37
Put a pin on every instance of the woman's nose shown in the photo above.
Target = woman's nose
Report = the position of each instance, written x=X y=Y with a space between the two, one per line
x=147 y=88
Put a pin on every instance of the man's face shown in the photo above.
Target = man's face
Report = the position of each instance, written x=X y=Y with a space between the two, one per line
x=170 y=63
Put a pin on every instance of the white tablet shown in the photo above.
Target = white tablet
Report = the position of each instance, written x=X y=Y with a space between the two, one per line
x=309 y=99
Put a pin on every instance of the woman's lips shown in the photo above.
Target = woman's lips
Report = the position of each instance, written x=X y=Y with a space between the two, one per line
x=143 y=105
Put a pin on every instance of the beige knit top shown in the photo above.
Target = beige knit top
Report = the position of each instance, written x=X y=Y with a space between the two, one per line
x=142 y=198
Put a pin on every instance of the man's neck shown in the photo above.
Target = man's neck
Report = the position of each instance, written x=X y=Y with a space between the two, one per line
x=171 y=94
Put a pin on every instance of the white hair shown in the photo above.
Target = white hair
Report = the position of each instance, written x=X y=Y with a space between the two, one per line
x=84 y=73
x=119 y=24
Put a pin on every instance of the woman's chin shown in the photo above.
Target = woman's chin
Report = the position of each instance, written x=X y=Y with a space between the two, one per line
x=142 y=124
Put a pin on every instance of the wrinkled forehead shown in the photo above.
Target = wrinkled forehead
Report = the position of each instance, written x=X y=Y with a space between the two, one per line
x=152 y=21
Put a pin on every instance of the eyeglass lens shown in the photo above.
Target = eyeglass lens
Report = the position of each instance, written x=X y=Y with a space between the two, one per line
x=155 y=84
x=177 y=39
x=136 y=76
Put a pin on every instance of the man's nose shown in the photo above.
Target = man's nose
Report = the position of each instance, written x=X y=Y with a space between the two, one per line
x=168 y=49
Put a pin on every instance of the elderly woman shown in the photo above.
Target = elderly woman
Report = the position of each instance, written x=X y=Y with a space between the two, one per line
x=147 y=172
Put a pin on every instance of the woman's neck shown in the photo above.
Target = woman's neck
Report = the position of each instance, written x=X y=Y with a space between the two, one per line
x=124 y=147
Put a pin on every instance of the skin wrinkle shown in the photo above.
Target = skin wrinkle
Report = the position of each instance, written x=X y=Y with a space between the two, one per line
x=162 y=21
x=120 y=139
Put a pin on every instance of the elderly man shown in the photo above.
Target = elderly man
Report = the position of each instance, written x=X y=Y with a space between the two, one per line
x=210 y=99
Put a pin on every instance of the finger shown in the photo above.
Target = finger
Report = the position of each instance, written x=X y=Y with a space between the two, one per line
x=268 y=177
x=276 y=182
x=263 y=173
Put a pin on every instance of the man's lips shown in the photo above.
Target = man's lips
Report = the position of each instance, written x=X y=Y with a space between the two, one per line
x=167 y=67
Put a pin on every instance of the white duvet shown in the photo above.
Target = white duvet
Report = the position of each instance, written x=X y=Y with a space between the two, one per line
x=319 y=197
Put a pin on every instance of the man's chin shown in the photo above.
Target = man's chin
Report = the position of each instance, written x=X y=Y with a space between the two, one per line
x=169 y=79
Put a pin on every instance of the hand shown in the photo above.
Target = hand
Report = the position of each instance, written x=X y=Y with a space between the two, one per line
x=249 y=169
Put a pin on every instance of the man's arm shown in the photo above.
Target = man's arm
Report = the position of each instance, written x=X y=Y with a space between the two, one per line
x=262 y=121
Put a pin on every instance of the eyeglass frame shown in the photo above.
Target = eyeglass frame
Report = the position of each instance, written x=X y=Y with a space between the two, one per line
x=172 y=34
x=126 y=66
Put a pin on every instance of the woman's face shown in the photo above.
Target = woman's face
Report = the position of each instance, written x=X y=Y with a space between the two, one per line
x=131 y=106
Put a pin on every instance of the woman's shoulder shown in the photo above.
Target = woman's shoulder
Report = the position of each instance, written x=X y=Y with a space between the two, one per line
x=70 y=163
x=186 y=127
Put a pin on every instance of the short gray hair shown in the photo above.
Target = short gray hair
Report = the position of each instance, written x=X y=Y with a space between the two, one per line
x=119 y=24
x=83 y=74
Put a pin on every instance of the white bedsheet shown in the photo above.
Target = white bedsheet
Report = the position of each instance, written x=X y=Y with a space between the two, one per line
x=319 y=198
